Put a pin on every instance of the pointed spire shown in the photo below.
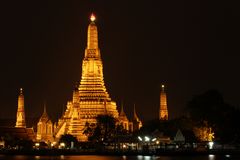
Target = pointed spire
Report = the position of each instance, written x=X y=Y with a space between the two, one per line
x=163 y=109
x=135 y=113
x=122 y=113
x=92 y=17
x=92 y=34
x=21 y=91
x=44 y=116
x=20 y=122
x=162 y=86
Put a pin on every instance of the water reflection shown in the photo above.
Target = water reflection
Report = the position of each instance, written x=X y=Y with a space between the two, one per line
x=228 y=156
x=211 y=157
x=62 y=157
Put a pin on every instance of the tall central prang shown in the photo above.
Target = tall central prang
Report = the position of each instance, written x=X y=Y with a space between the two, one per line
x=94 y=99
x=90 y=98
x=92 y=88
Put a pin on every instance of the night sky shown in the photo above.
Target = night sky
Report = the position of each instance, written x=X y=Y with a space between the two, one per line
x=189 y=46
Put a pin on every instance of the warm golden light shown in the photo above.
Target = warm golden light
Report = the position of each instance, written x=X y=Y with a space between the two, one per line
x=90 y=98
x=163 y=111
x=20 y=112
x=92 y=18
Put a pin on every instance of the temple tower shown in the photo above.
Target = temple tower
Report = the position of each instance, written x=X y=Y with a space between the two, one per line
x=163 y=110
x=94 y=98
x=136 y=122
x=123 y=119
x=20 y=122
x=91 y=98
x=45 y=128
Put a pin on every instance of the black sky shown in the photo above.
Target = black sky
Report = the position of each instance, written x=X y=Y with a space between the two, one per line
x=190 y=46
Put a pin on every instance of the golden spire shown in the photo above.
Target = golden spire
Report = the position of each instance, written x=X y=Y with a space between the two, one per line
x=20 y=122
x=92 y=17
x=162 y=88
x=122 y=113
x=163 y=110
x=44 y=116
x=135 y=117
x=92 y=34
x=21 y=91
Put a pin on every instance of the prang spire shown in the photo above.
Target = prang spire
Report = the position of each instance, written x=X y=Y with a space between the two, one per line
x=20 y=122
x=92 y=42
x=163 y=110
x=135 y=117
x=122 y=113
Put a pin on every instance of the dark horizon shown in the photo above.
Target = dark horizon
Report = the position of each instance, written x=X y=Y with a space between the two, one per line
x=190 y=47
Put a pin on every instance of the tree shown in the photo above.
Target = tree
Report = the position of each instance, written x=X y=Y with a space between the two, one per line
x=170 y=128
x=221 y=117
x=89 y=129
x=68 y=139
x=103 y=131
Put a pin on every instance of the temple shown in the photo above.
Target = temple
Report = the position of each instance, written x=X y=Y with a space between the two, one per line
x=20 y=120
x=163 y=110
x=90 y=97
x=123 y=119
x=136 y=123
x=45 y=128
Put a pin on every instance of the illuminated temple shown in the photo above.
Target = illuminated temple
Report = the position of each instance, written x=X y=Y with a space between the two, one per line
x=163 y=110
x=90 y=97
x=20 y=118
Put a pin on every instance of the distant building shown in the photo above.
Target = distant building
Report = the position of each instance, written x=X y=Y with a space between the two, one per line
x=20 y=130
x=17 y=132
x=20 y=120
x=123 y=120
x=161 y=138
x=179 y=138
x=45 y=128
x=163 y=110
x=136 y=123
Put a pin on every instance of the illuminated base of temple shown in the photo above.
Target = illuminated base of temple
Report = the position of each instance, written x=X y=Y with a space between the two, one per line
x=87 y=112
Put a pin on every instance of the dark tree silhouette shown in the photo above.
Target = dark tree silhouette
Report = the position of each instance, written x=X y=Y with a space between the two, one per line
x=67 y=139
x=105 y=130
x=210 y=107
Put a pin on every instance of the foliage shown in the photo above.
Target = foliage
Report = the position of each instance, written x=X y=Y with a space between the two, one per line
x=204 y=132
x=105 y=130
x=25 y=144
x=210 y=108
x=170 y=128
x=67 y=139
x=12 y=141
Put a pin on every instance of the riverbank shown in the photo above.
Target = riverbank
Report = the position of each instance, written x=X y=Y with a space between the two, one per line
x=57 y=152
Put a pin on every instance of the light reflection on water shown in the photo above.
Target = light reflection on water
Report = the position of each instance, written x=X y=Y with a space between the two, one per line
x=211 y=157
x=92 y=157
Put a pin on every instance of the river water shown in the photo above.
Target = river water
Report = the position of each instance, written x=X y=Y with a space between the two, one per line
x=92 y=157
